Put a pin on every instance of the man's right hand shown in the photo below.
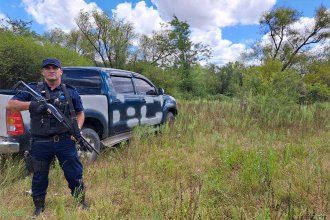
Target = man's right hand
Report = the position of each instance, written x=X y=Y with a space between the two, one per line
x=38 y=107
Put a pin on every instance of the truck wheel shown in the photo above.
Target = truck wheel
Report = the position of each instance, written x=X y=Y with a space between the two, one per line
x=93 y=138
x=170 y=118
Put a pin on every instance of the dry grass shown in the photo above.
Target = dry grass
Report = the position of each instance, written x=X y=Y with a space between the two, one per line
x=218 y=161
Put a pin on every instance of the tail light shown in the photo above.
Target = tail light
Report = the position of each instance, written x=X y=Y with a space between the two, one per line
x=15 y=125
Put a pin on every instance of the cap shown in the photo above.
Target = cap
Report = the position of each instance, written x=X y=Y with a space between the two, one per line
x=51 y=61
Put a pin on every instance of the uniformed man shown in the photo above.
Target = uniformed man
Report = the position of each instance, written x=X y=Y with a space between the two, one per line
x=49 y=137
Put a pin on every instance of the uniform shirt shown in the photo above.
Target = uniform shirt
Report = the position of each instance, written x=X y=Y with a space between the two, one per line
x=76 y=100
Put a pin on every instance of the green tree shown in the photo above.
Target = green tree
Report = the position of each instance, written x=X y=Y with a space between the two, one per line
x=111 y=38
x=73 y=40
x=229 y=79
x=20 y=58
x=286 y=42
x=156 y=48
x=186 y=52
x=56 y=36
x=317 y=81
x=18 y=27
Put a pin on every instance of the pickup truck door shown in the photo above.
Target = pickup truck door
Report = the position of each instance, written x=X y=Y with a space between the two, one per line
x=124 y=105
x=152 y=102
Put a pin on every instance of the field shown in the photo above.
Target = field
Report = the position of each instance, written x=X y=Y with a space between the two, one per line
x=220 y=160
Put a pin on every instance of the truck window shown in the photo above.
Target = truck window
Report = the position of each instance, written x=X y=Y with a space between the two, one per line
x=144 y=88
x=85 y=81
x=122 y=84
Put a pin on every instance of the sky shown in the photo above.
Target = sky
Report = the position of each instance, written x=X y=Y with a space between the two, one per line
x=229 y=27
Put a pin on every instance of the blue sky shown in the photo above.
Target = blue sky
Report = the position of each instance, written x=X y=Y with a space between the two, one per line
x=228 y=26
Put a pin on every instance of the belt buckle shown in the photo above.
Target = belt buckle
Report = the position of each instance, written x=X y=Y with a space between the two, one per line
x=56 y=138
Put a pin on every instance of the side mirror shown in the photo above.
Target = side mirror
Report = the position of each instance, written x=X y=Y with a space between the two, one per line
x=161 y=91
x=151 y=92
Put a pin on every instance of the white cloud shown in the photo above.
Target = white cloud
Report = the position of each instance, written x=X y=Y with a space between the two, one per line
x=4 y=20
x=205 y=17
x=223 y=50
x=56 y=13
x=2 y=16
x=210 y=13
x=145 y=19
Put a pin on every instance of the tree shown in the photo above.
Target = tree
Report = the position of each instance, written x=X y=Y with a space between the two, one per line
x=73 y=40
x=230 y=79
x=156 y=48
x=18 y=27
x=286 y=42
x=56 y=36
x=186 y=52
x=20 y=58
x=111 y=38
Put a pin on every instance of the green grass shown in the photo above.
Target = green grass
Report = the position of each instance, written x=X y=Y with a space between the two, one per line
x=219 y=161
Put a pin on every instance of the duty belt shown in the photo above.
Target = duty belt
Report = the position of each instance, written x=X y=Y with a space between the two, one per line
x=55 y=138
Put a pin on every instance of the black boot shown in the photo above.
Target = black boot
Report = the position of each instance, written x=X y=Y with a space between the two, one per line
x=79 y=196
x=83 y=204
x=39 y=203
x=80 y=201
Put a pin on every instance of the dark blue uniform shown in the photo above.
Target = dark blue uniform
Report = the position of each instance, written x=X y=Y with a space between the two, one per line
x=43 y=149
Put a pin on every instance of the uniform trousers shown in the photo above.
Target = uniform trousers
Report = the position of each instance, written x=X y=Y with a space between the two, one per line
x=43 y=153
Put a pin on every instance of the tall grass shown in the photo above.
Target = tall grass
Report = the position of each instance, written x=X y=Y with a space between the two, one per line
x=220 y=160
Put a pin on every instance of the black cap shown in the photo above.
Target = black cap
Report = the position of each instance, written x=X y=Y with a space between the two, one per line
x=51 y=61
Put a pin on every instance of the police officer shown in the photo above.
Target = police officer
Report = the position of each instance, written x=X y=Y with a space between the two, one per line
x=49 y=137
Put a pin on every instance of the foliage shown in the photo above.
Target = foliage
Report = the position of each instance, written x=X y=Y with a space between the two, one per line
x=73 y=40
x=20 y=58
x=286 y=40
x=17 y=27
x=318 y=82
x=229 y=79
x=157 y=48
x=166 y=78
x=111 y=38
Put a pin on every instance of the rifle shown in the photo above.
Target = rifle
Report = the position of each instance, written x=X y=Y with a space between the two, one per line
x=72 y=127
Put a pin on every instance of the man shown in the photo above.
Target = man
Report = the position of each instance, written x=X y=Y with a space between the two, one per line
x=49 y=137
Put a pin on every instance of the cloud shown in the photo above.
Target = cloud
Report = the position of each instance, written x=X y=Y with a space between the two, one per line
x=205 y=18
x=56 y=13
x=224 y=51
x=145 y=19
x=4 y=20
x=210 y=13
x=2 y=16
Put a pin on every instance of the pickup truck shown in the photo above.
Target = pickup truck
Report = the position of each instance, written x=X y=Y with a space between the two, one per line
x=115 y=101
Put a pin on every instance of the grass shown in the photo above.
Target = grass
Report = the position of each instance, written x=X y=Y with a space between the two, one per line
x=219 y=161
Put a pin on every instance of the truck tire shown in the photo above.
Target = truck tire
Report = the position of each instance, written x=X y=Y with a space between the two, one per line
x=93 y=138
x=170 y=118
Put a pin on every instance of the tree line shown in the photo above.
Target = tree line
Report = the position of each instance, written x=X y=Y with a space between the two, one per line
x=292 y=66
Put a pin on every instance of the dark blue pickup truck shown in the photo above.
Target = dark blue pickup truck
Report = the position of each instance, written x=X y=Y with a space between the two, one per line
x=115 y=101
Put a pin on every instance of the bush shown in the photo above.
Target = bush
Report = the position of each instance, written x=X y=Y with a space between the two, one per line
x=20 y=58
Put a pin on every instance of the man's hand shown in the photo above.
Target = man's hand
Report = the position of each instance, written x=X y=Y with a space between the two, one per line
x=38 y=107
x=76 y=136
